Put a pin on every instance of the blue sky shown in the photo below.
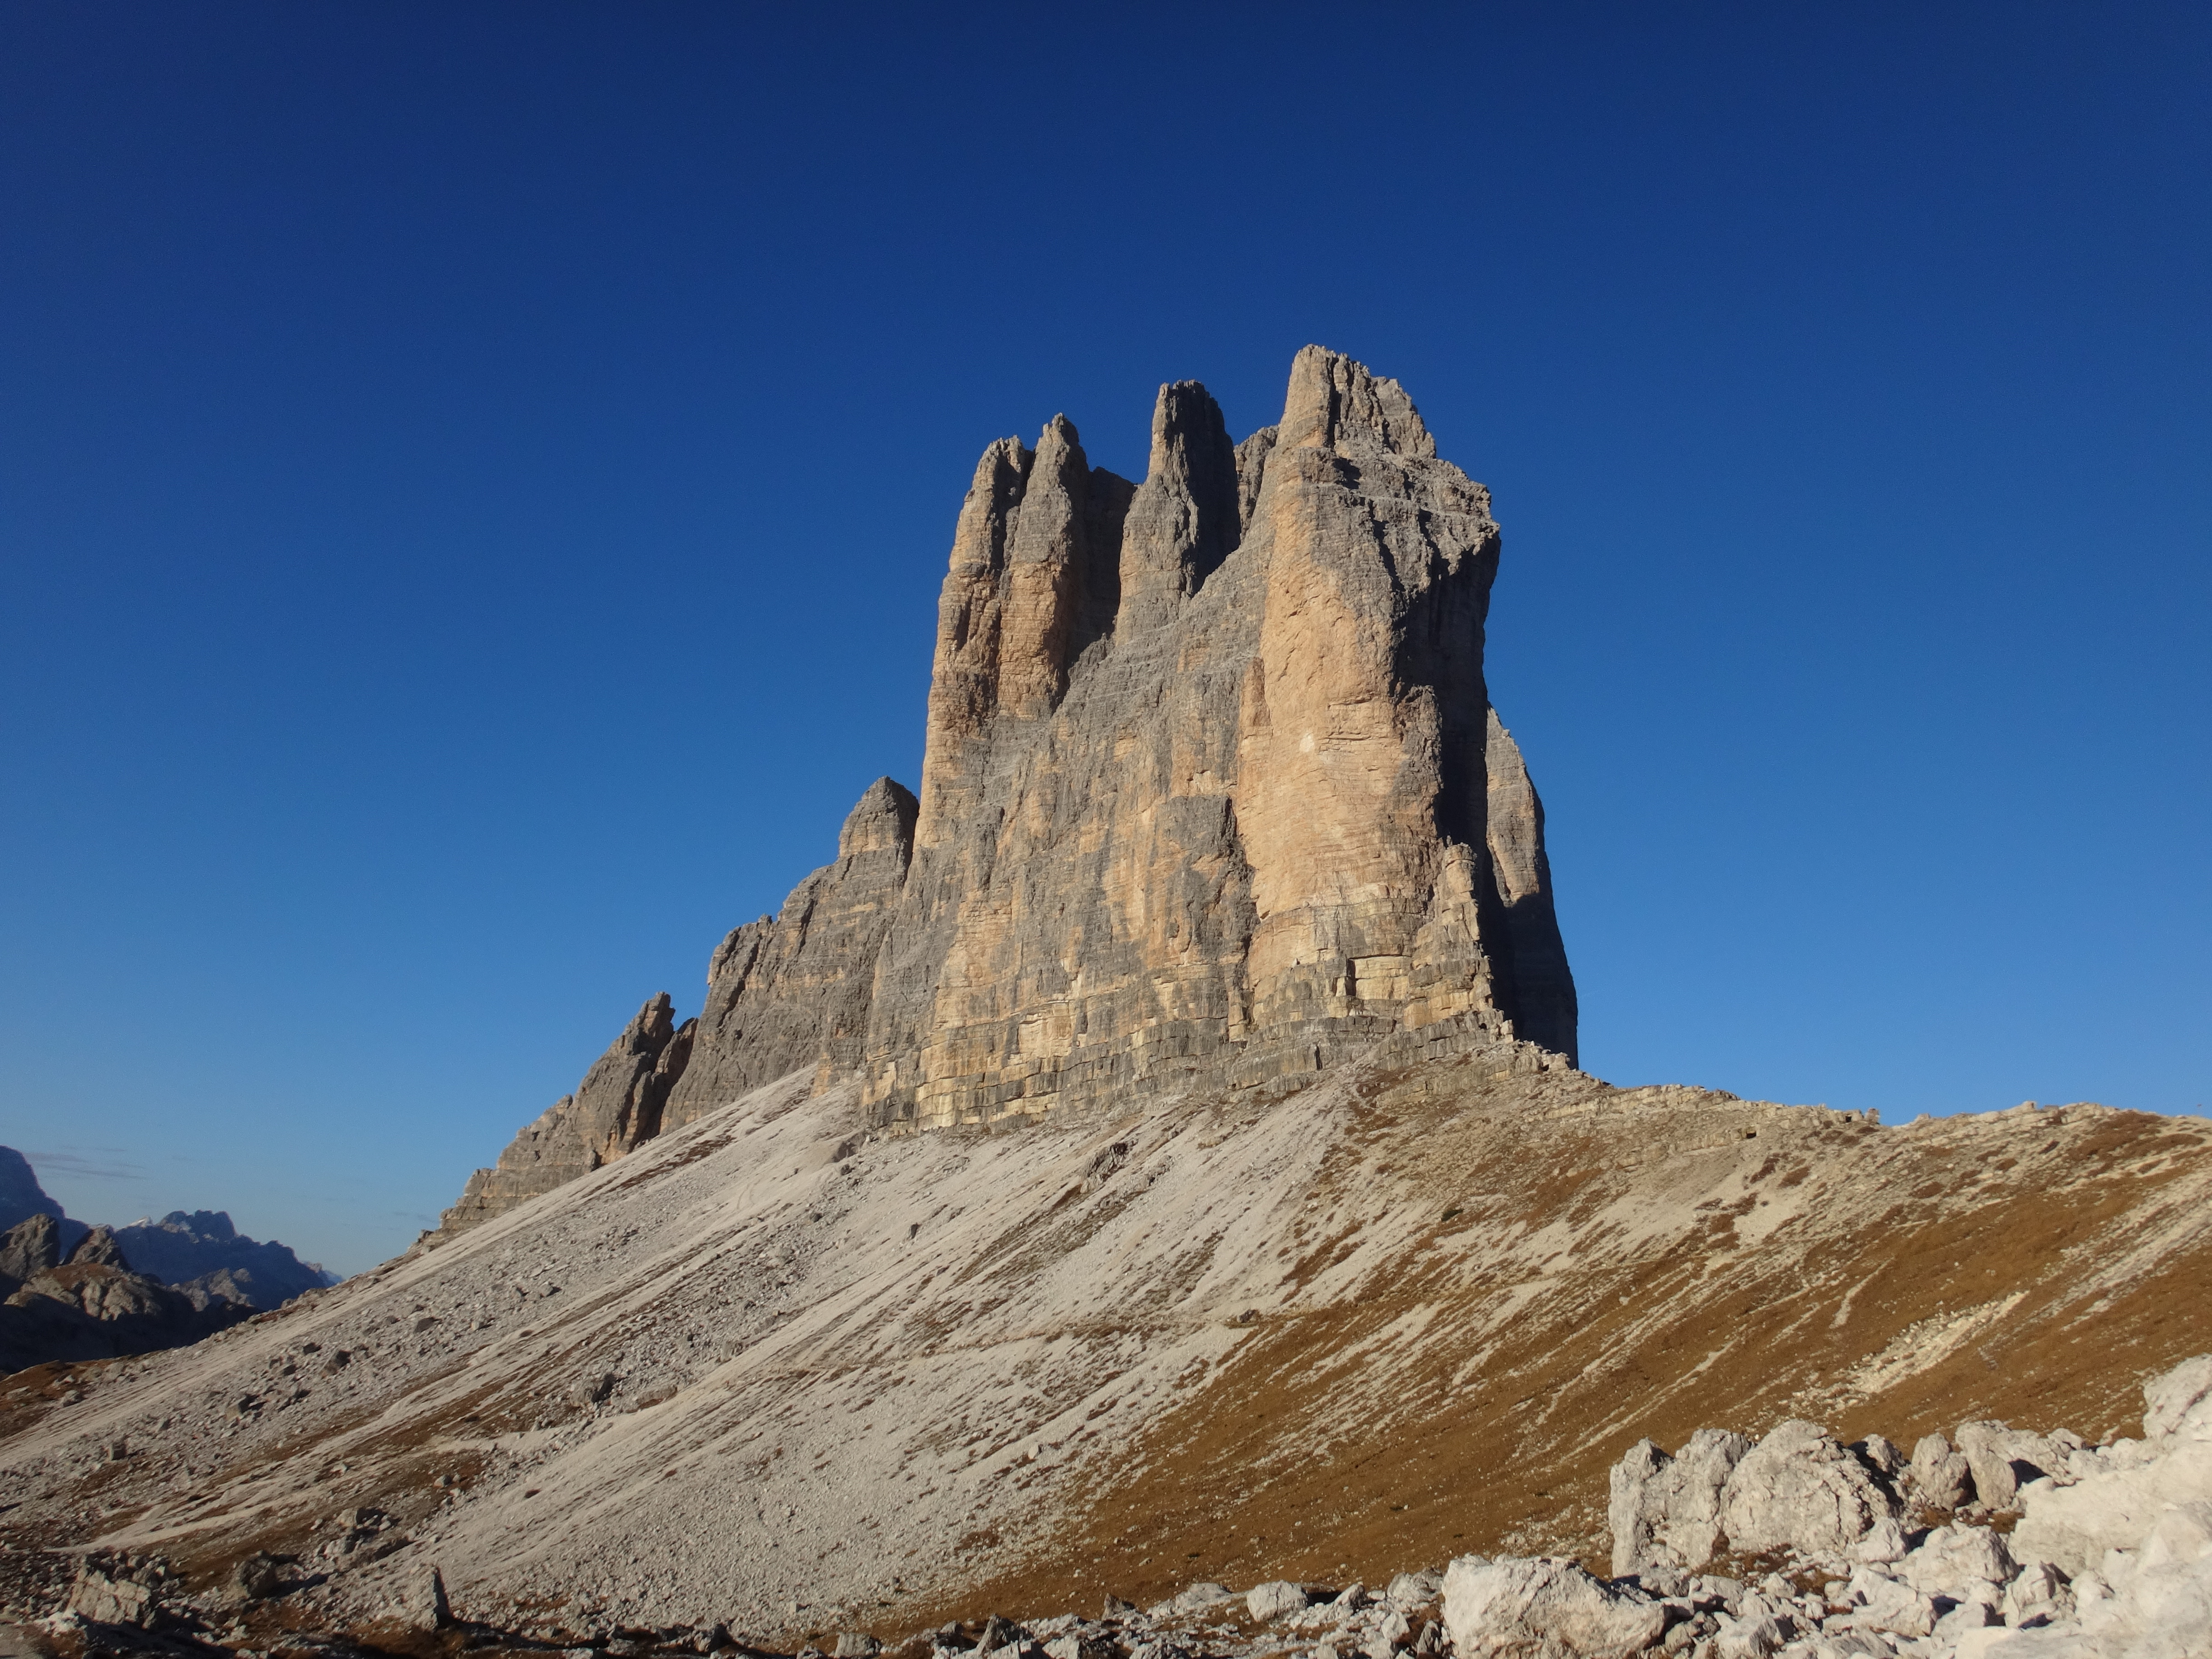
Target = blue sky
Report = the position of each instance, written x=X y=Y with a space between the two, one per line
x=474 y=480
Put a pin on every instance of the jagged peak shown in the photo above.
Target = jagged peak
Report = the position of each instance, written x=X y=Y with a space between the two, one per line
x=881 y=821
x=1338 y=403
x=651 y=1027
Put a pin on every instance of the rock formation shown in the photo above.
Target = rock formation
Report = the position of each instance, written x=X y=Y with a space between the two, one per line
x=791 y=993
x=2108 y=1554
x=1213 y=793
x=1247 y=818
x=617 y=1106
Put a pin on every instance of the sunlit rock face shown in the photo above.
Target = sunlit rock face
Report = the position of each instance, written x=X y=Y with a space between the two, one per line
x=1212 y=794
x=1212 y=785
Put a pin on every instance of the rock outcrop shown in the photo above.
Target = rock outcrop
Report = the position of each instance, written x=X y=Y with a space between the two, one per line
x=2109 y=1555
x=615 y=1109
x=1250 y=819
x=792 y=992
x=1213 y=793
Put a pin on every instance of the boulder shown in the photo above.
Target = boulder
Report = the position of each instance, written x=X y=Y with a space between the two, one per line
x=1753 y=1637
x=1665 y=1511
x=1959 y=1561
x=1410 y=1590
x=1542 y=1607
x=2177 y=1399
x=1799 y=1489
x=1880 y=1601
x=2039 y=1594
x=114 y=1595
x=2116 y=1506
x=1274 y=1598
x=1885 y=1542
x=1939 y=1475
x=1987 y=1449
x=257 y=1577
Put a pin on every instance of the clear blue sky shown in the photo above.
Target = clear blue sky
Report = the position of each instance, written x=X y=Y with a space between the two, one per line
x=474 y=481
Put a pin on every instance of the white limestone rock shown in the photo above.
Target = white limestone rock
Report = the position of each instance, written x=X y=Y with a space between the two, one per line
x=1544 y=1606
x=1665 y=1511
x=1275 y=1599
x=2179 y=1402
x=1799 y=1489
x=1958 y=1561
x=1940 y=1473
x=1883 y=1603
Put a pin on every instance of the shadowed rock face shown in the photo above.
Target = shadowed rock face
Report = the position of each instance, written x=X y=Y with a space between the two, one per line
x=1213 y=793
x=617 y=1106
x=792 y=992
x=87 y=1303
x=201 y=1253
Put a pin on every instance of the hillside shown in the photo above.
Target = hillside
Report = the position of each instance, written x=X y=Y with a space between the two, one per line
x=1393 y=1316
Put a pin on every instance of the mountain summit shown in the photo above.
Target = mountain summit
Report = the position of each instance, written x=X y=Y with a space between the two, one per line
x=1213 y=793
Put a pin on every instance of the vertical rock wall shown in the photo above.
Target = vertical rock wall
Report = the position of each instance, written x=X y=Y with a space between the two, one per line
x=1212 y=790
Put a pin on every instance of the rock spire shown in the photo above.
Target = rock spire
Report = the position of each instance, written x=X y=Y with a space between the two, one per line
x=1212 y=790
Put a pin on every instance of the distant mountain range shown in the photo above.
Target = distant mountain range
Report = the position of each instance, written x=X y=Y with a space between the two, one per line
x=76 y=1291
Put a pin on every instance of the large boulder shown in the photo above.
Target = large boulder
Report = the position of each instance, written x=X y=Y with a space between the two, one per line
x=1544 y=1606
x=1954 y=1561
x=1666 y=1511
x=1799 y=1489
x=1940 y=1473
x=1274 y=1600
x=2156 y=1605
x=2114 y=1507
x=1987 y=1449
x=2178 y=1400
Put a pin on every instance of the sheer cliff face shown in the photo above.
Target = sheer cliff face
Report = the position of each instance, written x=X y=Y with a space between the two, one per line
x=1264 y=818
x=1212 y=791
